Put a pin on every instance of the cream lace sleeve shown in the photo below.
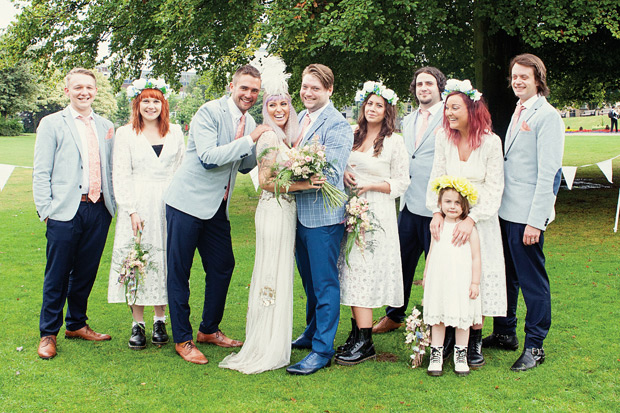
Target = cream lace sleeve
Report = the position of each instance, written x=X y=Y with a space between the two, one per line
x=399 y=167
x=439 y=169
x=491 y=190
x=266 y=153
x=122 y=174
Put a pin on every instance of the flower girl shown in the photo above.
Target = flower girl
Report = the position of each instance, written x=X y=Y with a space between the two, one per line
x=452 y=276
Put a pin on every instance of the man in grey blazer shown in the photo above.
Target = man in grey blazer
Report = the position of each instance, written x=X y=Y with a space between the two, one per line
x=533 y=152
x=221 y=142
x=72 y=191
x=414 y=220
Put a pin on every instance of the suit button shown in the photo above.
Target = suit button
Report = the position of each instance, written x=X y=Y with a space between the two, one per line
x=81 y=167
x=80 y=186
x=413 y=157
x=505 y=159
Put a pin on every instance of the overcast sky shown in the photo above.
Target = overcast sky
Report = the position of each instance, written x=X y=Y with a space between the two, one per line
x=7 y=13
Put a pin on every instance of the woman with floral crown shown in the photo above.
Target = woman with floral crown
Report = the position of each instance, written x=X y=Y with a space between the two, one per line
x=269 y=322
x=378 y=171
x=467 y=147
x=147 y=152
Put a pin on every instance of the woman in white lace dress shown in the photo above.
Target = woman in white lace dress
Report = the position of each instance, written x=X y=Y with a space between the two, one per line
x=378 y=169
x=467 y=147
x=147 y=152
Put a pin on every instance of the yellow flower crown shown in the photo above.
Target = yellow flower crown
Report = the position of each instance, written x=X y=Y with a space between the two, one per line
x=459 y=184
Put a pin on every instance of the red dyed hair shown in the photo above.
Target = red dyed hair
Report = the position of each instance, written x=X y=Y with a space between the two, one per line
x=478 y=121
x=164 y=117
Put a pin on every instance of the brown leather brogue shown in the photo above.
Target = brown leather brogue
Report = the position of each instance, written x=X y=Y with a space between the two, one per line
x=188 y=351
x=87 y=333
x=385 y=325
x=218 y=338
x=47 y=347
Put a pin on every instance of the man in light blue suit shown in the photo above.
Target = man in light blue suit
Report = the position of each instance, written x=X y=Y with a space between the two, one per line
x=533 y=152
x=320 y=231
x=414 y=220
x=221 y=142
x=72 y=191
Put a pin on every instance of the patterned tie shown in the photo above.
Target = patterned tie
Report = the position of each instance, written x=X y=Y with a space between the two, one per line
x=239 y=134
x=94 y=162
x=515 y=118
x=425 y=115
x=304 y=128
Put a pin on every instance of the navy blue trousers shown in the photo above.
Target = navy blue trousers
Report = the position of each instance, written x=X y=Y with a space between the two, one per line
x=212 y=238
x=73 y=253
x=525 y=269
x=414 y=233
x=316 y=252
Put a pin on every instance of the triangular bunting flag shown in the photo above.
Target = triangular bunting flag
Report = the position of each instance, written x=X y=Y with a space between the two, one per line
x=569 y=175
x=5 y=173
x=605 y=167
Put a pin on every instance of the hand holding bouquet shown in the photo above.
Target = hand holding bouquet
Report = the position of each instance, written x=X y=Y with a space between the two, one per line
x=134 y=267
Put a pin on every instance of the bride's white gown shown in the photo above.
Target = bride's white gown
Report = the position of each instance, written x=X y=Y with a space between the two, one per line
x=269 y=321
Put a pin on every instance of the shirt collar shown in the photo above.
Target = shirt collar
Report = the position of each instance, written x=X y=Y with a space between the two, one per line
x=435 y=108
x=530 y=102
x=76 y=115
x=315 y=115
x=234 y=110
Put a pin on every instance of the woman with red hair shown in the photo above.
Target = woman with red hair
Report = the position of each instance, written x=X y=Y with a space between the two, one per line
x=467 y=147
x=147 y=152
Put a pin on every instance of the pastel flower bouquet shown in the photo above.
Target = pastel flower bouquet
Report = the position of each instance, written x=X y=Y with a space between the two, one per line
x=417 y=337
x=134 y=267
x=302 y=163
x=357 y=224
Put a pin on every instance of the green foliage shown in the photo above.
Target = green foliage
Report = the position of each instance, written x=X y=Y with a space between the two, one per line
x=200 y=90
x=123 y=109
x=18 y=88
x=11 y=127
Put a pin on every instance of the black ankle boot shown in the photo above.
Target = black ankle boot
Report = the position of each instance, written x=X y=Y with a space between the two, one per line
x=160 y=336
x=351 y=339
x=448 y=343
x=361 y=350
x=474 y=349
x=137 y=341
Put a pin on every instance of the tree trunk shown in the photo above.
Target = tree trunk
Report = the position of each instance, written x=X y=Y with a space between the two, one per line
x=492 y=54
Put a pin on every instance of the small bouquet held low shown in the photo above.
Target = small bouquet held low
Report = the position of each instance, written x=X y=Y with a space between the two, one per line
x=357 y=224
x=302 y=163
x=417 y=337
x=134 y=267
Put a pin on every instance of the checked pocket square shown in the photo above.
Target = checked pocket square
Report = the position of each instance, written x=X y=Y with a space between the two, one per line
x=110 y=134
x=525 y=127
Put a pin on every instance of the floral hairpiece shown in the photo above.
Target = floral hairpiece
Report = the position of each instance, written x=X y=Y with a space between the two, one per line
x=464 y=86
x=378 y=89
x=139 y=85
x=459 y=184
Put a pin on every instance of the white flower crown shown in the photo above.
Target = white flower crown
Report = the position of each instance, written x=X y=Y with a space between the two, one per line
x=378 y=89
x=464 y=86
x=139 y=85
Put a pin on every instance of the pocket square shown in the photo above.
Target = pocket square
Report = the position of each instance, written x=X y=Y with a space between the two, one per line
x=110 y=134
x=525 y=127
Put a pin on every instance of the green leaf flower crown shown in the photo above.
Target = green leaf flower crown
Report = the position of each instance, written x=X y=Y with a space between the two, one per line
x=464 y=86
x=139 y=85
x=378 y=89
x=459 y=184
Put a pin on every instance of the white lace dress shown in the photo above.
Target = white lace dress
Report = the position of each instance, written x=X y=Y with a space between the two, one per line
x=374 y=278
x=140 y=180
x=269 y=323
x=485 y=170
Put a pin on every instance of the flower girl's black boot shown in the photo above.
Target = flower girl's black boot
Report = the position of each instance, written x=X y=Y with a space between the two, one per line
x=361 y=350
x=160 y=336
x=353 y=334
x=137 y=341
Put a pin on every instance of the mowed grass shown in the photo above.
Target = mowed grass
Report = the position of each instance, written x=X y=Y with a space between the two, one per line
x=587 y=122
x=582 y=371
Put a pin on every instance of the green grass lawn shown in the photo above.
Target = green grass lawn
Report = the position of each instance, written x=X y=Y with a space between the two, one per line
x=582 y=371
x=587 y=122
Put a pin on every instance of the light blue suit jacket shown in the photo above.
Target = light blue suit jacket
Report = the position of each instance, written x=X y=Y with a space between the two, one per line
x=58 y=166
x=335 y=133
x=533 y=166
x=213 y=156
x=420 y=162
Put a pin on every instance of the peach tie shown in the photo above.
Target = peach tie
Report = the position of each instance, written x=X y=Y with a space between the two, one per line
x=515 y=118
x=239 y=134
x=94 y=162
x=304 y=128
x=425 y=115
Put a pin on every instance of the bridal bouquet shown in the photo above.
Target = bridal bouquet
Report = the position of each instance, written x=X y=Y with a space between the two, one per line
x=302 y=163
x=417 y=337
x=134 y=267
x=357 y=224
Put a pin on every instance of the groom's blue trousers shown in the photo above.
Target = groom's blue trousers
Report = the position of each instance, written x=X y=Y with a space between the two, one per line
x=316 y=252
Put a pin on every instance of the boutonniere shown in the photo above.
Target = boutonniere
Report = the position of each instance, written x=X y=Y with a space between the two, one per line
x=110 y=134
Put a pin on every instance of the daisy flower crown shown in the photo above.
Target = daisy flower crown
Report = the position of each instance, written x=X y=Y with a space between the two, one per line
x=459 y=184
x=464 y=86
x=378 y=89
x=139 y=85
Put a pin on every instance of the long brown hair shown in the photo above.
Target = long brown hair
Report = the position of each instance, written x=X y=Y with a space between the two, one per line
x=387 y=126
x=164 y=117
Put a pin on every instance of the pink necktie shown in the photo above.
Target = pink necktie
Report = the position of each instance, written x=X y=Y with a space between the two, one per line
x=304 y=128
x=515 y=118
x=94 y=162
x=425 y=115
x=239 y=134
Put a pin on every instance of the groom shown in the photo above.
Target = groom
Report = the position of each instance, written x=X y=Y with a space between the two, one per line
x=320 y=231
x=221 y=142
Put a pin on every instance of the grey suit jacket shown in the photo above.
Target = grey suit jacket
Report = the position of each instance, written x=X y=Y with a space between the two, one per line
x=213 y=156
x=58 y=166
x=533 y=166
x=420 y=163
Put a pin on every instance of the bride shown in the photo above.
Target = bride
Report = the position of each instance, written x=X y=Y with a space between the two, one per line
x=269 y=322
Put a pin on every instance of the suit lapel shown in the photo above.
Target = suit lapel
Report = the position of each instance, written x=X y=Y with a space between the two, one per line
x=229 y=130
x=70 y=123
x=431 y=128
x=528 y=114
x=316 y=124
